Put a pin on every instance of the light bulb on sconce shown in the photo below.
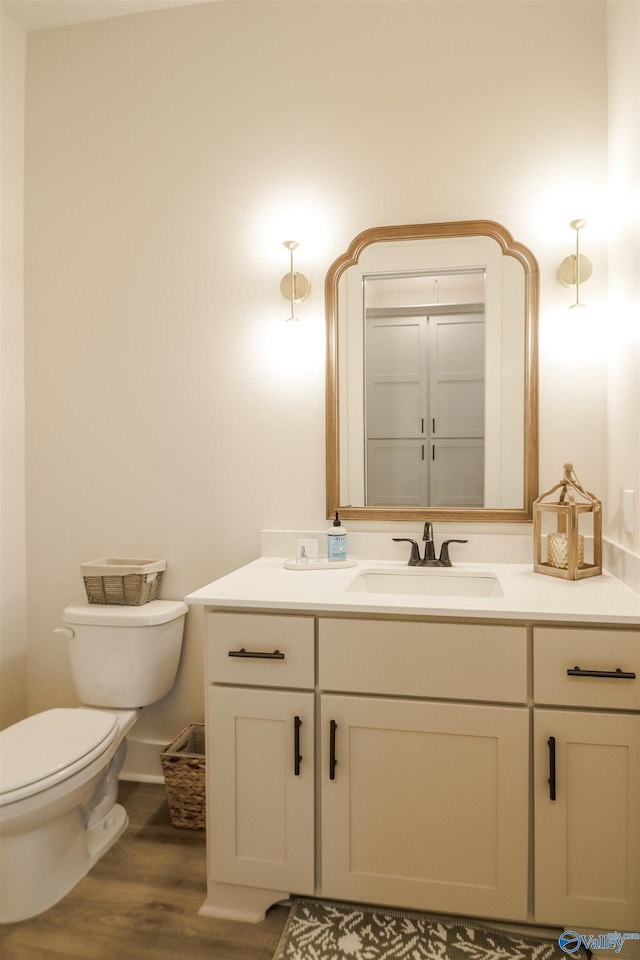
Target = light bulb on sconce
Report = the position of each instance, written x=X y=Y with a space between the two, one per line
x=575 y=269
x=294 y=287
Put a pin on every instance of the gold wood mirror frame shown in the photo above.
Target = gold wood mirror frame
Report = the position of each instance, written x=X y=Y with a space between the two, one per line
x=334 y=302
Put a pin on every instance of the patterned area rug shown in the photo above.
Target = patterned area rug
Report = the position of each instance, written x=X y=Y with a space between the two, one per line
x=323 y=930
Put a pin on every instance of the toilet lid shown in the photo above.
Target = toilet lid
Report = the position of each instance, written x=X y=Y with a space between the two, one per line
x=51 y=742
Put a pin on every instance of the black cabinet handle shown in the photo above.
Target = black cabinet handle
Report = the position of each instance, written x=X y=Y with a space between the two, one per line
x=256 y=654
x=616 y=674
x=333 y=726
x=551 y=742
x=297 y=756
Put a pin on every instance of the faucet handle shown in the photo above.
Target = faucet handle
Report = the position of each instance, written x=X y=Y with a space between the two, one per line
x=414 y=559
x=445 y=560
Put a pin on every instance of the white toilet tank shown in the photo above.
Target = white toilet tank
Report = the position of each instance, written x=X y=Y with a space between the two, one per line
x=124 y=656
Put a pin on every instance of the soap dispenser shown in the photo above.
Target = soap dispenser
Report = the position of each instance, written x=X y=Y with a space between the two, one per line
x=336 y=540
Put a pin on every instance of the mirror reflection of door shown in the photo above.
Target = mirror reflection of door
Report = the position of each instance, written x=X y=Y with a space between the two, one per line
x=424 y=386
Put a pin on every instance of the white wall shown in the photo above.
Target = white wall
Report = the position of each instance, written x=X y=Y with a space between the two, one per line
x=170 y=412
x=13 y=600
x=623 y=398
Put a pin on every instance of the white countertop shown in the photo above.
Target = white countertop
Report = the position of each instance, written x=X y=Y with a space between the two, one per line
x=265 y=584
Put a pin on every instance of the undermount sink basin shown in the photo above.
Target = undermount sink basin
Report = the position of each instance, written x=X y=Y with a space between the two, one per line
x=427 y=582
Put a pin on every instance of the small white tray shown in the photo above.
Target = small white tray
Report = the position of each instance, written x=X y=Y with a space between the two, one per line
x=321 y=564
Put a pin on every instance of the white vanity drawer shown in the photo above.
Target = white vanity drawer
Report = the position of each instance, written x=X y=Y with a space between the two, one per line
x=604 y=665
x=260 y=650
x=441 y=660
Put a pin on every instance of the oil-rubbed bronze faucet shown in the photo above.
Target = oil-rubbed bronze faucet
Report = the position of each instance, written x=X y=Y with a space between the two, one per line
x=429 y=558
x=429 y=546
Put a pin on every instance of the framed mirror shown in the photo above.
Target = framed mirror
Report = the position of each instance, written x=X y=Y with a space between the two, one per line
x=432 y=390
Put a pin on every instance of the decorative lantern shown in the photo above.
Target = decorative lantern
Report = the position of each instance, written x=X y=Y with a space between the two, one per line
x=565 y=556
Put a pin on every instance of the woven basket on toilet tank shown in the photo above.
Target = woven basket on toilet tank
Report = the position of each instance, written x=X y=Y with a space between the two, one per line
x=124 y=582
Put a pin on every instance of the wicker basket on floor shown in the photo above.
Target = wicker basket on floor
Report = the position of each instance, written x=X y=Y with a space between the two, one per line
x=122 y=582
x=183 y=765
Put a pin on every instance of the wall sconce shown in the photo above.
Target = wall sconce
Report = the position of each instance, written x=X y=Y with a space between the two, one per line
x=294 y=287
x=575 y=269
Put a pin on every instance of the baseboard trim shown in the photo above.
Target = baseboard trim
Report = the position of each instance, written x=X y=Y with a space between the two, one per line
x=142 y=763
x=135 y=777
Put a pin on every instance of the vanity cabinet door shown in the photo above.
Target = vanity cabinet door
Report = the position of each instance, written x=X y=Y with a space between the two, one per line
x=587 y=839
x=260 y=788
x=425 y=805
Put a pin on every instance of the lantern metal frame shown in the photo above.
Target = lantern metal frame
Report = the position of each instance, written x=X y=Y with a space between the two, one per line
x=568 y=510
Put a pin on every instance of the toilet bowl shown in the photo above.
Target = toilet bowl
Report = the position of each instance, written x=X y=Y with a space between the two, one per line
x=59 y=768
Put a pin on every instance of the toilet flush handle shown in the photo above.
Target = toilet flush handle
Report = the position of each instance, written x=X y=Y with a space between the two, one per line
x=65 y=632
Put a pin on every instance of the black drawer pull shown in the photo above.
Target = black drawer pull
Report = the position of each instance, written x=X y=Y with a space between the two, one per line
x=616 y=674
x=297 y=756
x=256 y=654
x=551 y=743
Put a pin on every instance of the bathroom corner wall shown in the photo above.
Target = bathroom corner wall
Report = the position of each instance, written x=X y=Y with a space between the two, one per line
x=170 y=411
x=13 y=602
x=623 y=333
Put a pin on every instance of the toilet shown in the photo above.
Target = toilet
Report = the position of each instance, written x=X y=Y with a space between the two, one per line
x=59 y=768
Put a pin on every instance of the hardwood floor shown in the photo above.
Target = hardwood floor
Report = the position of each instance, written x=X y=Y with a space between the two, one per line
x=141 y=901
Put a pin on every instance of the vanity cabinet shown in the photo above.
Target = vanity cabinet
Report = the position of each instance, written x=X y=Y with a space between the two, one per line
x=587 y=777
x=388 y=760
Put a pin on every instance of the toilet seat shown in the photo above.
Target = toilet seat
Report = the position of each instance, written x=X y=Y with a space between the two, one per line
x=51 y=746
